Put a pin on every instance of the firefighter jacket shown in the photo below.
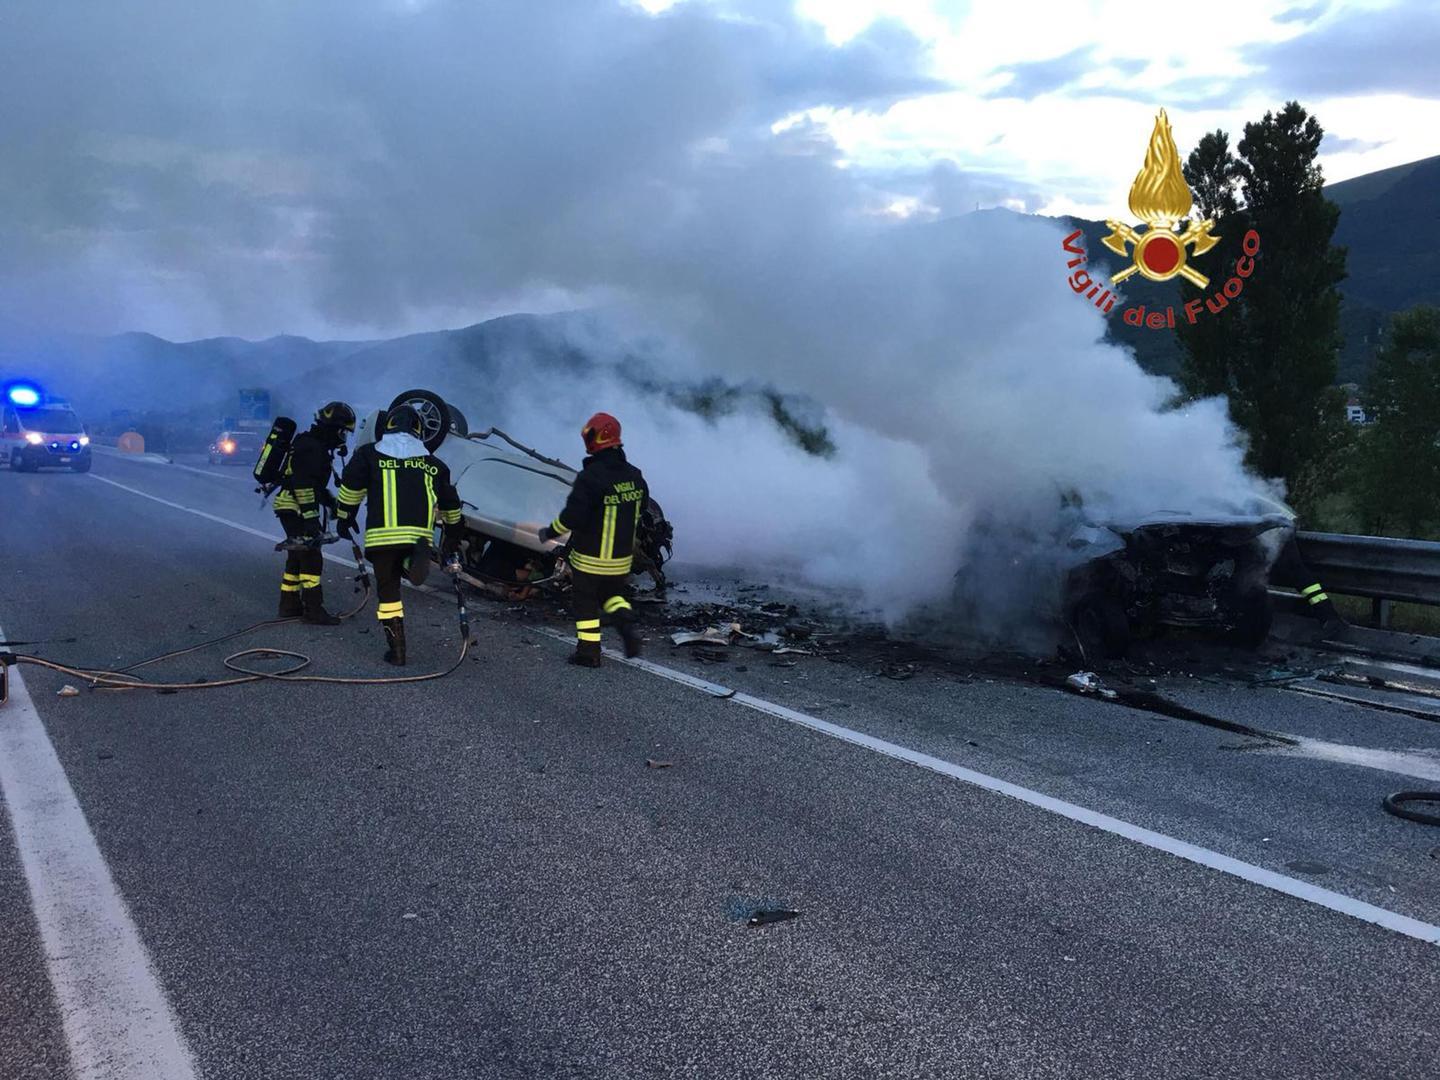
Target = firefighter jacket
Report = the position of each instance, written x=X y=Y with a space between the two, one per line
x=404 y=488
x=603 y=514
x=305 y=486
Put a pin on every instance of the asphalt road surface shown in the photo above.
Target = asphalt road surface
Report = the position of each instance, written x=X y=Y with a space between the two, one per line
x=482 y=877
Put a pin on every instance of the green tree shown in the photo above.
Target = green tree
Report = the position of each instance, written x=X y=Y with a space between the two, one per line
x=1273 y=350
x=1398 y=461
x=1211 y=344
x=1212 y=173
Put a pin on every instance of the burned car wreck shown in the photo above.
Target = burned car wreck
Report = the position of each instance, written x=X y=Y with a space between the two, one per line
x=1092 y=583
x=507 y=492
x=1173 y=570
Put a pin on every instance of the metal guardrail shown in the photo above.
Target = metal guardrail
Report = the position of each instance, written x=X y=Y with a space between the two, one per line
x=1378 y=567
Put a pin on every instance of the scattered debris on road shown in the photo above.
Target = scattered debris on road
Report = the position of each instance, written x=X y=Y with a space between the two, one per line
x=651 y=763
x=766 y=916
x=67 y=691
x=714 y=635
x=1087 y=682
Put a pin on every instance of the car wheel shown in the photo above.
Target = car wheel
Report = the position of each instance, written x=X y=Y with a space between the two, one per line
x=81 y=466
x=1254 y=612
x=435 y=419
x=21 y=464
x=1101 y=628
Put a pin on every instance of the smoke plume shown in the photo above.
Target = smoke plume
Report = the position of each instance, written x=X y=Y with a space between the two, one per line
x=368 y=166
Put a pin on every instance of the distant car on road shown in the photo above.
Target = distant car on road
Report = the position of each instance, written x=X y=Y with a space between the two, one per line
x=236 y=448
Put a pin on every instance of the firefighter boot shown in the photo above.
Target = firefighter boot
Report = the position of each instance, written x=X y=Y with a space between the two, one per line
x=586 y=654
x=1332 y=625
x=313 y=602
x=624 y=620
x=290 y=604
x=395 y=639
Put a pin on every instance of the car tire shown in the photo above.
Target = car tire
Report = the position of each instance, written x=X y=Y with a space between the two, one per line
x=435 y=415
x=20 y=464
x=81 y=466
x=1254 y=613
x=1101 y=627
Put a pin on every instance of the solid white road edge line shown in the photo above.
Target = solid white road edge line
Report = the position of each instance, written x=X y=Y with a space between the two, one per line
x=1256 y=875
x=156 y=459
x=118 y=1023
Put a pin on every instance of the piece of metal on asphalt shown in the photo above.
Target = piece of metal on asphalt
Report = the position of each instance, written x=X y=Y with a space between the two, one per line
x=771 y=915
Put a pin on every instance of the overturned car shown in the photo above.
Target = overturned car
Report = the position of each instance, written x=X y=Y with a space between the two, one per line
x=507 y=492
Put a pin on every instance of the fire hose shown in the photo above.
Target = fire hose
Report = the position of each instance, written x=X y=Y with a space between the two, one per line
x=102 y=678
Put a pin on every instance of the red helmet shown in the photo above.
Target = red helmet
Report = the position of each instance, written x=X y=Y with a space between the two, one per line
x=601 y=432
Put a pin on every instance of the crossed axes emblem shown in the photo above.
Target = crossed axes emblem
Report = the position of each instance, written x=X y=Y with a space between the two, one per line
x=1160 y=253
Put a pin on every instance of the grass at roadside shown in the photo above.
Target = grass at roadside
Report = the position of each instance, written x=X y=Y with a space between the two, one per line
x=1404 y=618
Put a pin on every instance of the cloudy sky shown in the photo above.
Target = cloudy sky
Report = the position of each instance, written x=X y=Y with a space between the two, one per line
x=367 y=167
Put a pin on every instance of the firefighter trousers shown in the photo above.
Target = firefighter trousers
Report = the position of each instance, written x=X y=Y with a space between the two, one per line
x=1292 y=570
x=389 y=564
x=593 y=596
x=302 y=568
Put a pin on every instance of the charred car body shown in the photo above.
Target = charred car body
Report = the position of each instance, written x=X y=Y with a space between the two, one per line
x=1103 y=581
x=507 y=492
x=1174 y=570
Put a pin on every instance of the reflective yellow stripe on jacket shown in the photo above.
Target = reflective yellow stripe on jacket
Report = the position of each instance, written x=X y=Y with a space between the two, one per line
x=606 y=567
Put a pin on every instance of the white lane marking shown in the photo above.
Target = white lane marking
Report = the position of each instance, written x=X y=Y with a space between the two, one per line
x=155 y=459
x=1424 y=765
x=1257 y=875
x=118 y=1023
x=273 y=537
x=210 y=473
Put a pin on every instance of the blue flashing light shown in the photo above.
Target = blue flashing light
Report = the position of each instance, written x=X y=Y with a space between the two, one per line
x=23 y=395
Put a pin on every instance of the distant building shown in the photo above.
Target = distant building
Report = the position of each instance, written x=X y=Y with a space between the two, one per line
x=1354 y=410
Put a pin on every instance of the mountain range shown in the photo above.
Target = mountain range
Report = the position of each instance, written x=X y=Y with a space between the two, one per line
x=1390 y=223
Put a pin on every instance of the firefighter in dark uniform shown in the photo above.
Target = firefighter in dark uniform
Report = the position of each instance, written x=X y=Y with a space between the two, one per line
x=405 y=489
x=304 y=490
x=602 y=516
x=1293 y=571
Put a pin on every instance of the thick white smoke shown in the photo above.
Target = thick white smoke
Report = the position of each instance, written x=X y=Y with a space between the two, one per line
x=374 y=162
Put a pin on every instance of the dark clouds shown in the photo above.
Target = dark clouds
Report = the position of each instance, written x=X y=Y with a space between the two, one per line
x=1392 y=50
x=1304 y=14
x=260 y=161
x=1064 y=73
x=1334 y=145
x=1033 y=78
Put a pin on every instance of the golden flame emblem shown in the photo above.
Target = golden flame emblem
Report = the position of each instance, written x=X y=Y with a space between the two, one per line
x=1161 y=198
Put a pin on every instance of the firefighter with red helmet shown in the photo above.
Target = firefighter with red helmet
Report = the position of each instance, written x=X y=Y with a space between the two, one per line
x=602 y=516
x=304 y=491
